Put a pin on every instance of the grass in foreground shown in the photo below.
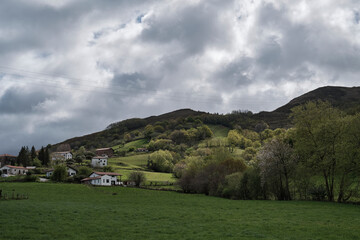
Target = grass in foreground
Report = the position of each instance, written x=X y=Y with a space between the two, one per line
x=69 y=211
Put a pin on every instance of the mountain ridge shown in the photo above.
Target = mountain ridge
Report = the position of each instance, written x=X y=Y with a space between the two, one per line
x=345 y=98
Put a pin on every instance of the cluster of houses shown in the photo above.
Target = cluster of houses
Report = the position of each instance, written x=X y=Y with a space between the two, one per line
x=95 y=178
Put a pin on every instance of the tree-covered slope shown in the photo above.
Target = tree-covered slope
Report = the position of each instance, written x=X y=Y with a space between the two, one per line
x=346 y=99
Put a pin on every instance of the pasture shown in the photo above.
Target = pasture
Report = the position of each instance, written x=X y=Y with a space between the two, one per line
x=71 y=211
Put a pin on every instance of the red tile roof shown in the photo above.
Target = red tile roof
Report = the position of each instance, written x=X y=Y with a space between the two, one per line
x=7 y=155
x=17 y=167
x=108 y=173
x=91 y=178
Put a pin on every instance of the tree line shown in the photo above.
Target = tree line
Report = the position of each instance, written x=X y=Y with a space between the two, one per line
x=319 y=159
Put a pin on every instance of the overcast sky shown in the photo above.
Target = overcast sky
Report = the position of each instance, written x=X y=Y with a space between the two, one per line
x=72 y=67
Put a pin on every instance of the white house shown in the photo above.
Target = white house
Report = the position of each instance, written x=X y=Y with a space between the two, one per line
x=49 y=172
x=71 y=171
x=102 y=179
x=61 y=156
x=99 y=161
x=13 y=170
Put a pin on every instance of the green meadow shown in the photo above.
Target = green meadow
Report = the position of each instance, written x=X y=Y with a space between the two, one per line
x=72 y=211
x=128 y=164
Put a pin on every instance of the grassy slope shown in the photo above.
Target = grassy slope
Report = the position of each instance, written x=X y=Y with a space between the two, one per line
x=69 y=211
x=136 y=144
x=125 y=165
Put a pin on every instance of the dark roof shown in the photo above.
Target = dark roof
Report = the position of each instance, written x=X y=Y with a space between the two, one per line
x=7 y=155
x=73 y=168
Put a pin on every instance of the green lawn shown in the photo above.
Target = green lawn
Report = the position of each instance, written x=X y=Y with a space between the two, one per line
x=136 y=144
x=126 y=165
x=71 y=211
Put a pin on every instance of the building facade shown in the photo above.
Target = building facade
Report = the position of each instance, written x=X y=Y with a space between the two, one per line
x=99 y=161
x=61 y=156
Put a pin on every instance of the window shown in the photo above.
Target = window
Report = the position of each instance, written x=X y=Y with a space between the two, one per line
x=107 y=180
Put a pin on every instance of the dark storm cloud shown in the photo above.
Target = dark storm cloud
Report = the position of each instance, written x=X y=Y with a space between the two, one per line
x=17 y=101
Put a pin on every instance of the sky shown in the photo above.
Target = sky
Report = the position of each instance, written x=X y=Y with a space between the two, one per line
x=72 y=67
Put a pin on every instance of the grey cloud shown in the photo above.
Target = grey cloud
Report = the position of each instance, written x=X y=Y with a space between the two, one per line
x=15 y=101
x=236 y=74
x=194 y=27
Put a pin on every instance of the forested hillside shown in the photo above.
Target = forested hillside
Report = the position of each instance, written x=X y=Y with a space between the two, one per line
x=346 y=99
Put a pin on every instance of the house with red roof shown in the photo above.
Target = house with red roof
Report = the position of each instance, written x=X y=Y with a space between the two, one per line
x=103 y=179
x=13 y=170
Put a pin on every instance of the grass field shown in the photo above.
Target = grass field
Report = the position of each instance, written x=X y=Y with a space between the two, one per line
x=71 y=211
x=126 y=165
x=135 y=144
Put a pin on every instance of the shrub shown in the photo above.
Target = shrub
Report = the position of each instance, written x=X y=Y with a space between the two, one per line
x=108 y=169
x=317 y=193
x=137 y=177
x=161 y=161
x=60 y=174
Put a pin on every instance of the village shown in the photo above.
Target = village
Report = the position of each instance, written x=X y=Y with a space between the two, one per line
x=98 y=177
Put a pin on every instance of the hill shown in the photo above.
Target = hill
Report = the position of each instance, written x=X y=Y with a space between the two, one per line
x=344 y=98
x=347 y=99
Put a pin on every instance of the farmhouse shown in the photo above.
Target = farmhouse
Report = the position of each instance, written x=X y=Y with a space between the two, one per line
x=102 y=179
x=71 y=171
x=13 y=170
x=141 y=150
x=104 y=151
x=61 y=156
x=99 y=161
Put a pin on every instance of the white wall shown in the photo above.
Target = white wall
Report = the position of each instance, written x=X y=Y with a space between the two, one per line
x=99 y=162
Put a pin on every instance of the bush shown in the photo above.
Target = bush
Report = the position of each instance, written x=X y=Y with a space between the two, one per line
x=317 y=193
x=137 y=177
x=161 y=161
x=108 y=169
x=60 y=174
x=30 y=178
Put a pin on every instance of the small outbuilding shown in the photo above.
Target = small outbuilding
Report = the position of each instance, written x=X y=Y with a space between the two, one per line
x=104 y=151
